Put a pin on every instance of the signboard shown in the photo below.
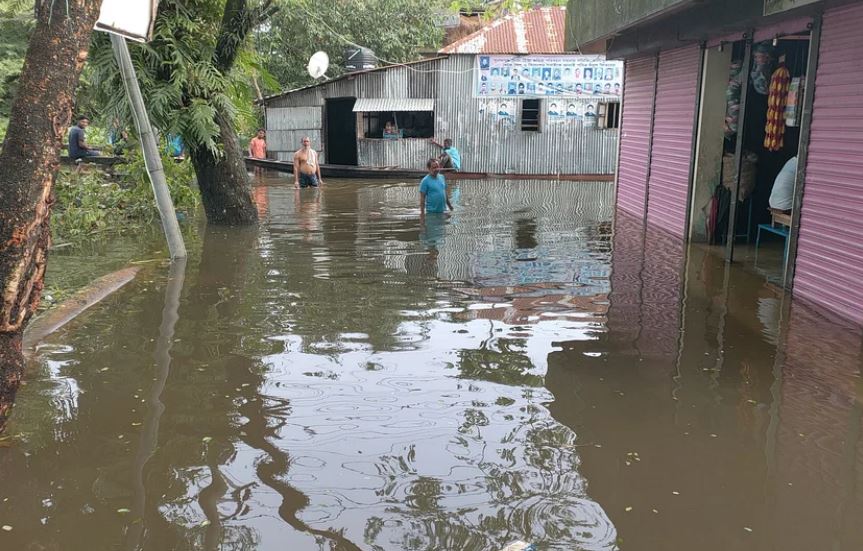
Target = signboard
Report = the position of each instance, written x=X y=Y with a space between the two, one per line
x=777 y=6
x=540 y=76
x=132 y=19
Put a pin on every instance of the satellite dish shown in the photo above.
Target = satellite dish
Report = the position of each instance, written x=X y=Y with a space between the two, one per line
x=318 y=64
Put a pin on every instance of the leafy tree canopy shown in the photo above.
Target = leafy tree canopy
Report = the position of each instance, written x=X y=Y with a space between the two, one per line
x=396 y=30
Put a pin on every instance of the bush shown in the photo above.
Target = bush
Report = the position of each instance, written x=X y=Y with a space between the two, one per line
x=94 y=202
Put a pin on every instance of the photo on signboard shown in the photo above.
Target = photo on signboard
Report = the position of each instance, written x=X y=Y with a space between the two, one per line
x=547 y=75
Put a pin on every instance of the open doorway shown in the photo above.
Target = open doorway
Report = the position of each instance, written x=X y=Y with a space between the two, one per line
x=341 y=131
x=756 y=94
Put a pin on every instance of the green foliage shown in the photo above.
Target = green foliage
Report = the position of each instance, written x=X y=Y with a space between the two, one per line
x=16 y=25
x=179 y=75
x=397 y=31
x=91 y=203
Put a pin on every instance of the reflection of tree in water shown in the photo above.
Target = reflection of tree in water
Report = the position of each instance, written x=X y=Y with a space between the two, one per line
x=330 y=285
x=503 y=367
x=528 y=487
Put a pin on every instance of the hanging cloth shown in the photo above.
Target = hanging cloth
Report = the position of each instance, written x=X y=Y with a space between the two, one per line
x=774 y=131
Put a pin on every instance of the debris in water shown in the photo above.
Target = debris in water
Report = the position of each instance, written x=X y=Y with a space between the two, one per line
x=519 y=546
x=748 y=529
x=7 y=528
x=205 y=523
x=206 y=439
x=123 y=511
x=628 y=509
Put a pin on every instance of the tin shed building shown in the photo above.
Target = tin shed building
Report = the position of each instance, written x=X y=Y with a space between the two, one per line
x=508 y=96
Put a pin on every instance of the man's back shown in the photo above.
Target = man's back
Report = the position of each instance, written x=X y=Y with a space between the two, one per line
x=76 y=137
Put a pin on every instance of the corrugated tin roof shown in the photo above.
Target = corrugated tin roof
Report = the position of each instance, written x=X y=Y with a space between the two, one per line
x=378 y=105
x=345 y=76
x=536 y=31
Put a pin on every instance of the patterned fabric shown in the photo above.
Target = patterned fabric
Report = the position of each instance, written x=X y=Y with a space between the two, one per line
x=774 y=131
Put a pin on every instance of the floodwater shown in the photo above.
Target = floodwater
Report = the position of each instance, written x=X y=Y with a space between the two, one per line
x=347 y=377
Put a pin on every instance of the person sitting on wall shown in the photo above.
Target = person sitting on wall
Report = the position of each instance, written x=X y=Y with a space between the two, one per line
x=450 y=158
x=782 y=195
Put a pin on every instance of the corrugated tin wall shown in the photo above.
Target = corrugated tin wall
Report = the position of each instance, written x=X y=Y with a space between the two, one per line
x=487 y=145
x=491 y=146
x=829 y=269
x=671 y=153
x=639 y=89
x=287 y=126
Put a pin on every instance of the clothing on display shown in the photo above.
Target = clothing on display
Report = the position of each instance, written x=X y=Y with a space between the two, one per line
x=774 y=130
x=732 y=99
x=762 y=64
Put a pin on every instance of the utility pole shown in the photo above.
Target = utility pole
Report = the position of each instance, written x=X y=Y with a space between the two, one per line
x=152 y=159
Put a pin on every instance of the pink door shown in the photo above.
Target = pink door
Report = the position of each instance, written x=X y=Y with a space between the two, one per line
x=638 y=93
x=673 y=130
x=829 y=268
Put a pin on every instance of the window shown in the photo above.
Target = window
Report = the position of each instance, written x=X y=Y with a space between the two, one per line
x=608 y=115
x=530 y=115
x=408 y=124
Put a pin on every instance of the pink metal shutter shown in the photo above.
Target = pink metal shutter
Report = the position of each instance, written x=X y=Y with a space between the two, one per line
x=638 y=89
x=676 y=97
x=829 y=269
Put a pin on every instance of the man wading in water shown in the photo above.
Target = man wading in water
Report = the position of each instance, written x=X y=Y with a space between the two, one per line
x=307 y=170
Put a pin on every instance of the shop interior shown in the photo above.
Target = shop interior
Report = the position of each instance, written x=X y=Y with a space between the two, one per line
x=396 y=125
x=761 y=132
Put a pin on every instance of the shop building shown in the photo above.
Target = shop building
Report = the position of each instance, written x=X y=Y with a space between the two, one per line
x=742 y=128
x=506 y=95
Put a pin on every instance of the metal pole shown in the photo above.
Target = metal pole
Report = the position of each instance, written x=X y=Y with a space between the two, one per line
x=738 y=151
x=152 y=159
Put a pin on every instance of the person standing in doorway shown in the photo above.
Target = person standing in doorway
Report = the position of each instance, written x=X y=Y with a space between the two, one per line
x=450 y=159
x=433 y=193
x=78 y=148
x=307 y=170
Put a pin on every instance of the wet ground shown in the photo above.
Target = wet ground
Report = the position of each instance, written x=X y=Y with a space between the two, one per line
x=347 y=377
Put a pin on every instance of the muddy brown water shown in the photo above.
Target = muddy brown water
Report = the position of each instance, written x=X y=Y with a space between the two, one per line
x=346 y=377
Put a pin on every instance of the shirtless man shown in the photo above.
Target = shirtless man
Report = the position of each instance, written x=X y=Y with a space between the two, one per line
x=307 y=170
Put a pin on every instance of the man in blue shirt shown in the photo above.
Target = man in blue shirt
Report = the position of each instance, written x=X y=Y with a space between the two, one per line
x=78 y=148
x=433 y=196
x=450 y=159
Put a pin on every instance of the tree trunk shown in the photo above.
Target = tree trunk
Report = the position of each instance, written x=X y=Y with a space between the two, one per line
x=38 y=123
x=223 y=180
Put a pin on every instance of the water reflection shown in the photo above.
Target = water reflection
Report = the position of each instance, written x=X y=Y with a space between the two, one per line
x=530 y=368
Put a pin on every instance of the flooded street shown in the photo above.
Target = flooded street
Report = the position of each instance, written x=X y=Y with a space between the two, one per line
x=347 y=377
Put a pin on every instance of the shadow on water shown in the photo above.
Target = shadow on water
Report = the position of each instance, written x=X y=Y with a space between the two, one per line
x=530 y=368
